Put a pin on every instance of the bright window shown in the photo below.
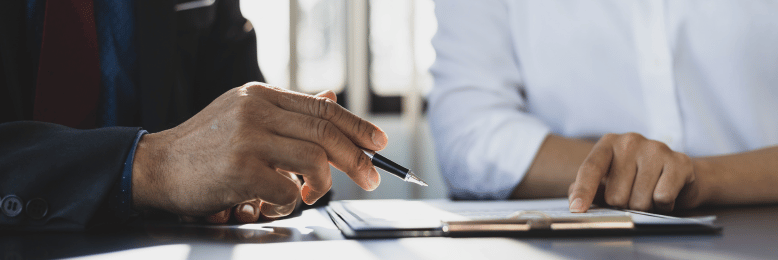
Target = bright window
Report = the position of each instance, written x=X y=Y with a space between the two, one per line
x=399 y=42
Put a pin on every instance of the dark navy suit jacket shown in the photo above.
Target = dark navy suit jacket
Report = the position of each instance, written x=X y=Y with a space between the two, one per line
x=186 y=59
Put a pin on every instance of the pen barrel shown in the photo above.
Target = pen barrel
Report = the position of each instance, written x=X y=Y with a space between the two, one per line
x=389 y=166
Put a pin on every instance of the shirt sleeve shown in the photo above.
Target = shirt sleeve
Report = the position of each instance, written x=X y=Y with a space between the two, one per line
x=121 y=193
x=484 y=137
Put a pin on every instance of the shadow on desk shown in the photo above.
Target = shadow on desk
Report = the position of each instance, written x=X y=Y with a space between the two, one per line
x=749 y=233
x=59 y=245
x=194 y=240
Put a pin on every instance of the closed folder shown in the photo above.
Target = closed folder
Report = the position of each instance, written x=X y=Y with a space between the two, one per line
x=539 y=220
x=403 y=218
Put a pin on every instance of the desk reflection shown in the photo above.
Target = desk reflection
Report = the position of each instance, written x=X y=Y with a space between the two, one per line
x=164 y=236
x=226 y=234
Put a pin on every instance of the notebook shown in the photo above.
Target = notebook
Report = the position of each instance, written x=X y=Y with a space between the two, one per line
x=408 y=218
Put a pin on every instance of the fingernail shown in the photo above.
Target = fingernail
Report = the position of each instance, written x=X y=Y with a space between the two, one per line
x=248 y=209
x=374 y=179
x=306 y=192
x=575 y=206
x=379 y=138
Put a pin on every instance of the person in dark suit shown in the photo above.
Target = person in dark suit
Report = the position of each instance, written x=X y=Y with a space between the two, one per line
x=108 y=108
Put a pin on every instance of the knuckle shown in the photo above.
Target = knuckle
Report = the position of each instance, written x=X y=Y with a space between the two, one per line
x=316 y=107
x=326 y=131
x=609 y=137
x=634 y=136
x=254 y=87
x=253 y=84
x=656 y=147
x=663 y=147
x=631 y=140
x=639 y=205
x=684 y=165
x=244 y=111
x=314 y=153
x=315 y=124
x=248 y=87
x=328 y=183
x=362 y=128
x=589 y=167
x=616 y=199
x=326 y=108
x=322 y=168
x=683 y=159
x=663 y=198
x=324 y=186
x=362 y=163
x=263 y=86
x=252 y=112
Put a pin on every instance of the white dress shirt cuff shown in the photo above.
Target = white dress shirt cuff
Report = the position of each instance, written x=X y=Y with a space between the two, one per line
x=517 y=150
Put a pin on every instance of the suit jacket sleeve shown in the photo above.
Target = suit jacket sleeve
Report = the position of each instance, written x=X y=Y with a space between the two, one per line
x=72 y=170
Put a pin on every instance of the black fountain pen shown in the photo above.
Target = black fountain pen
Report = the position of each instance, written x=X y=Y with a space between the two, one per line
x=394 y=168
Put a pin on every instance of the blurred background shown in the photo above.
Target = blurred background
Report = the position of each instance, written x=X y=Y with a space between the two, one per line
x=375 y=54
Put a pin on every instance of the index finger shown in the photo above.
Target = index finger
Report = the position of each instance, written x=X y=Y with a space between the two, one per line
x=361 y=132
x=592 y=170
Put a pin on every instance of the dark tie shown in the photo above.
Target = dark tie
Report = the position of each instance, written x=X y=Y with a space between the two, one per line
x=68 y=83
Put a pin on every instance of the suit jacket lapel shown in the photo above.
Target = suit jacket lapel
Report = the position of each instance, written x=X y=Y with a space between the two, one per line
x=156 y=31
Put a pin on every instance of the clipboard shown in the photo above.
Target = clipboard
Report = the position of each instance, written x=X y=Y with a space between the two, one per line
x=540 y=218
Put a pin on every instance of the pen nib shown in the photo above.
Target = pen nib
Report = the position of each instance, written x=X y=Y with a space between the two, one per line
x=410 y=177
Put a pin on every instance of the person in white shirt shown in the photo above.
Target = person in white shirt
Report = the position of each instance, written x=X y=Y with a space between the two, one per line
x=657 y=104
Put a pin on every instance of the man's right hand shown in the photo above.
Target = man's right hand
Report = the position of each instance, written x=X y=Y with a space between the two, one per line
x=247 y=145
